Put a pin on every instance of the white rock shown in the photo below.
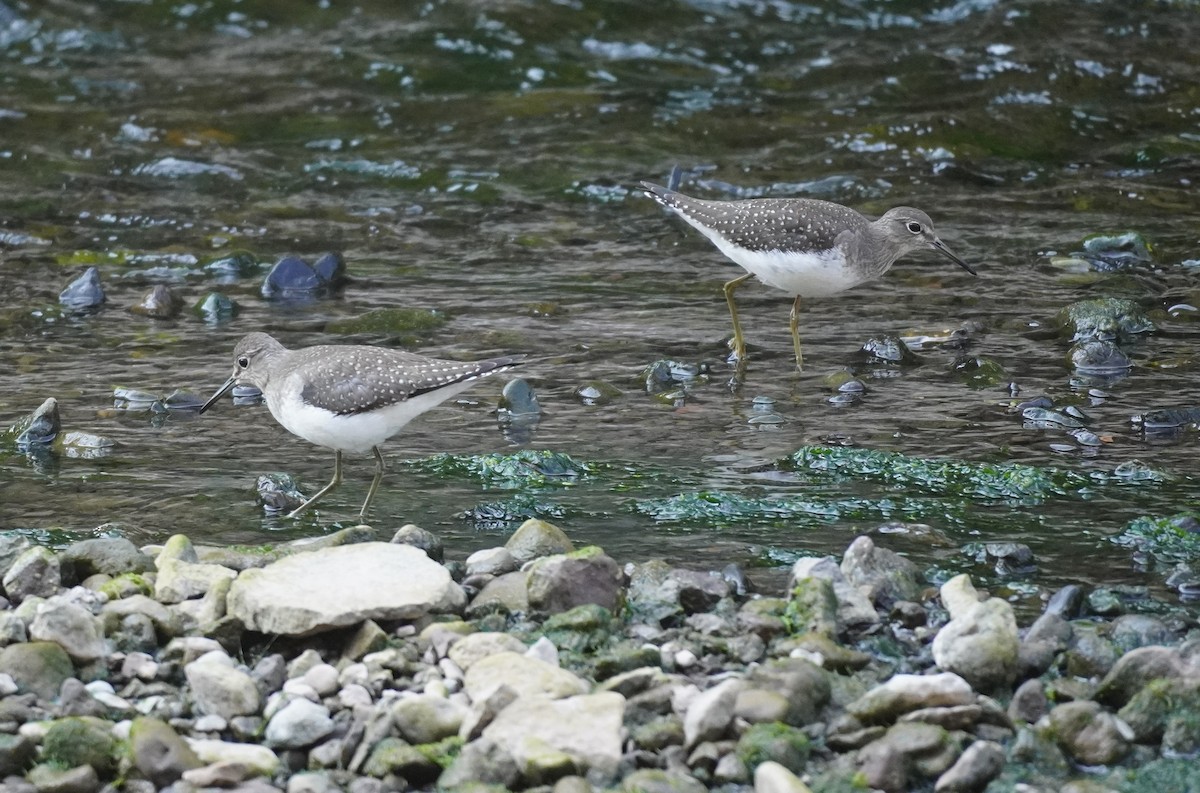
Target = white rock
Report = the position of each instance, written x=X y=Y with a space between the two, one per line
x=587 y=728
x=468 y=649
x=323 y=678
x=450 y=670
x=259 y=758
x=298 y=724
x=980 y=642
x=353 y=695
x=771 y=777
x=354 y=675
x=221 y=688
x=178 y=580
x=491 y=561
x=209 y=723
x=7 y=684
x=526 y=676
x=70 y=626
x=903 y=693
x=139 y=665
x=334 y=587
x=710 y=714
x=685 y=659
x=543 y=650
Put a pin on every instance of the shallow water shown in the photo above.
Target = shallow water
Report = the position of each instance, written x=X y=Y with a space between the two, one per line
x=480 y=159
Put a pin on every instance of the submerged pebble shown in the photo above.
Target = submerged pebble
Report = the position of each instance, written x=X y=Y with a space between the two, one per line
x=887 y=349
x=293 y=278
x=160 y=302
x=84 y=293
x=278 y=492
x=215 y=307
x=1102 y=358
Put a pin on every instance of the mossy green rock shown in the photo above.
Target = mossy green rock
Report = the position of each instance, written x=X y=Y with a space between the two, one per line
x=779 y=743
x=394 y=756
x=81 y=741
x=38 y=667
x=158 y=752
x=407 y=321
x=812 y=608
x=1104 y=318
x=16 y=753
x=1168 y=539
x=125 y=585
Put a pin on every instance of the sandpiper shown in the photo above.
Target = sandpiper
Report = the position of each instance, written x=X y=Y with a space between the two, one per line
x=806 y=247
x=349 y=398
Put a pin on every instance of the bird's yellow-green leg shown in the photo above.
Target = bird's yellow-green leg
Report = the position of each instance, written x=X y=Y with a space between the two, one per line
x=337 y=479
x=794 y=324
x=739 y=344
x=374 y=483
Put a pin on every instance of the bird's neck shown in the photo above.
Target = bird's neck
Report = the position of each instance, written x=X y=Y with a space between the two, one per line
x=870 y=249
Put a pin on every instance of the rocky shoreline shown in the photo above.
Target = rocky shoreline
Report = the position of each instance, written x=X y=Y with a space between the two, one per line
x=353 y=663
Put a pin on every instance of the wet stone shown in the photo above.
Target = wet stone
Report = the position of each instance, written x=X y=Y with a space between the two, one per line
x=597 y=392
x=1102 y=358
x=215 y=308
x=887 y=350
x=84 y=293
x=1006 y=558
x=291 y=277
x=278 y=492
x=39 y=428
x=159 y=302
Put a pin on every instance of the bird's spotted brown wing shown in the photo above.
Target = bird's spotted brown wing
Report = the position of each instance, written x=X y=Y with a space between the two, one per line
x=765 y=224
x=358 y=379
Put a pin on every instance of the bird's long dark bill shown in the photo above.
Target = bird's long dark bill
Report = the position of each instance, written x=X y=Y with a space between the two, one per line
x=941 y=248
x=222 y=391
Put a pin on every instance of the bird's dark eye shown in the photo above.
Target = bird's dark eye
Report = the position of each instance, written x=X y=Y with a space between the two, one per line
x=243 y=362
x=913 y=226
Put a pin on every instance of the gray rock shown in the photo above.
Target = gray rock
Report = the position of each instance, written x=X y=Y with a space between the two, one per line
x=980 y=642
x=70 y=626
x=469 y=649
x=34 y=573
x=425 y=718
x=1090 y=655
x=653 y=780
x=805 y=686
x=698 y=592
x=12 y=629
x=312 y=782
x=298 y=724
x=1090 y=734
x=12 y=545
x=483 y=761
x=1138 y=667
x=491 y=561
x=103 y=555
x=535 y=538
x=484 y=710
x=427 y=541
x=561 y=582
x=178 y=580
x=525 y=676
x=975 y=769
x=908 y=753
x=166 y=623
x=84 y=292
x=508 y=594
x=16 y=754
x=220 y=688
x=813 y=607
x=1029 y=703
x=323 y=678
x=957 y=717
x=904 y=693
x=1051 y=629
x=334 y=587
x=883 y=576
x=711 y=713
x=54 y=779
x=771 y=777
x=158 y=752
x=37 y=667
x=585 y=728
x=253 y=758
x=855 y=609
x=1130 y=631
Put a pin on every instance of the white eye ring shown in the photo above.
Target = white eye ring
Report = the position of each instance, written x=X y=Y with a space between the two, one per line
x=913 y=226
x=243 y=362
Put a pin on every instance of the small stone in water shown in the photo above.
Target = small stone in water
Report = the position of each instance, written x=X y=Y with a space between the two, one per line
x=519 y=399
x=278 y=493
x=1099 y=358
x=292 y=277
x=887 y=349
x=597 y=392
x=216 y=307
x=38 y=428
x=84 y=292
x=160 y=302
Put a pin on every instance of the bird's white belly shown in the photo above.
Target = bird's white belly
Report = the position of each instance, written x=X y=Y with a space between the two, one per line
x=356 y=432
x=803 y=274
